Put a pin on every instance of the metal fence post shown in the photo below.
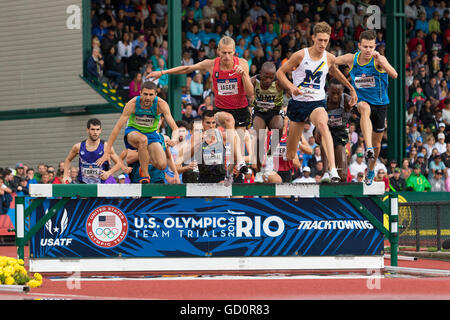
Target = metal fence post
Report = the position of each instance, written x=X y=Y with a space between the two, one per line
x=20 y=226
x=393 y=219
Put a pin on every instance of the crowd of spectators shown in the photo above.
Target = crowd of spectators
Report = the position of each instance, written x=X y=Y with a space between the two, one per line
x=129 y=40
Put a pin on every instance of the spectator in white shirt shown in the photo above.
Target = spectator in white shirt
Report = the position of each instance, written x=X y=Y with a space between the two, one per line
x=358 y=165
x=440 y=144
x=306 y=176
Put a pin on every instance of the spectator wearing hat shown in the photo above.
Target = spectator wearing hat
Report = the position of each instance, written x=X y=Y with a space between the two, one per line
x=306 y=178
x=413 y=133
x=423 y=164
x=437 y=182
x=20 y=173
x=417 y=181
x=121 y=179
x=440 y=144
x=396 y=182
x=436 y=164
x=358 y=166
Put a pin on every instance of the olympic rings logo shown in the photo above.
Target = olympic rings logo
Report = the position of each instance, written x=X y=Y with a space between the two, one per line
x=106 y=233
x=107 y=226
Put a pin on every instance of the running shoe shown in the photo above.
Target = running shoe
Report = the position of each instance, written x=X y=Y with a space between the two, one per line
x=335 y=176
x=143 y=180
x=369 y=177
x=325 y=178
x=228 y=180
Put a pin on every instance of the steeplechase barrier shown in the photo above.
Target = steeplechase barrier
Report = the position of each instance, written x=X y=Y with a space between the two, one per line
x=205 y=227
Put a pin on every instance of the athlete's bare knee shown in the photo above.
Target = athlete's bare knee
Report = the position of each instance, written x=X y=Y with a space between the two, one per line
x=363 y=108
x=160 y=164
x=322 y=126
x=142 y=142
x=225 y=119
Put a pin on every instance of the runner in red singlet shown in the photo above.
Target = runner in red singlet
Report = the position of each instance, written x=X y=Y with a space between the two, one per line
x=232 y=86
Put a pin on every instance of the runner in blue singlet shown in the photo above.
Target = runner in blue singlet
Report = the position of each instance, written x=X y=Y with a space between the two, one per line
x=370 y=72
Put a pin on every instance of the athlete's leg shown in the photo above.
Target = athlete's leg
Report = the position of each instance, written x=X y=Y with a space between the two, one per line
x=376 y=138
x=158 y=157
x=319 y=118
x=293 y=138
x=341 y=161
x=235 y=137
x=318 y=139
x=277 y=124
x=259 y=125
x=366 y=123
x=140 y=141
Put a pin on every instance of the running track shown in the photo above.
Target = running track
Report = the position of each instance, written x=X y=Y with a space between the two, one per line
x=350 y=286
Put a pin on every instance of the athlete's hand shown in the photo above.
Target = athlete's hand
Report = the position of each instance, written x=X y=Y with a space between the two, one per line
x=104 y=175
x=239 y=69
x=376 y=55
x=127 y=170
x=295 y=91
x=154 y=75
x=105 y=157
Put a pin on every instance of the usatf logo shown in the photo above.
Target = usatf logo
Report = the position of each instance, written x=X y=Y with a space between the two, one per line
x=107 y=226
x=54 y=237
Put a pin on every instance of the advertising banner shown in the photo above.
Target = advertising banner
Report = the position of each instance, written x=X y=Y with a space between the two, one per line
x=200 y=227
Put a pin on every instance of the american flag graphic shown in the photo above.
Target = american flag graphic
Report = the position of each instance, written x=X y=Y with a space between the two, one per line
x=106 y=221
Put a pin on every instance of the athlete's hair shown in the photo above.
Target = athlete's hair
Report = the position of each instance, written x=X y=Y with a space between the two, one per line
x=208 y=113
x=226 y=41
x=335 y=82
x=149 y=85
x=94 y=122
x=368 y=35
x=182 y=123
x=322 y=27
x=268 y=65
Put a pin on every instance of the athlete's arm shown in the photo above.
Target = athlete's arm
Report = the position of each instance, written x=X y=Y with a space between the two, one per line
x=163 y=107
x=243 y=70
x=382 y=62
x=120 y=165
x=128 y=110
x=347 y=106
x=72 y=154
x=344 y=59
x=335 y=72
x=290 y=65
x=205 y=65
x=171 y=164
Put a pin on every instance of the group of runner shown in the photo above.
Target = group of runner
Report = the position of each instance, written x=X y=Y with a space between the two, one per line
x=251 y=126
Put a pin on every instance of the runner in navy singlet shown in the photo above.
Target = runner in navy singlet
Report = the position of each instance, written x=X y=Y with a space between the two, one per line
x=89 y=151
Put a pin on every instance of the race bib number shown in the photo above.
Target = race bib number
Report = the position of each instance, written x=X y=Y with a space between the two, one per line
x=364 y=82
x=334 y=121
x=144 y=120
x=227 y=87
x=265 y=104
x=91 y=171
